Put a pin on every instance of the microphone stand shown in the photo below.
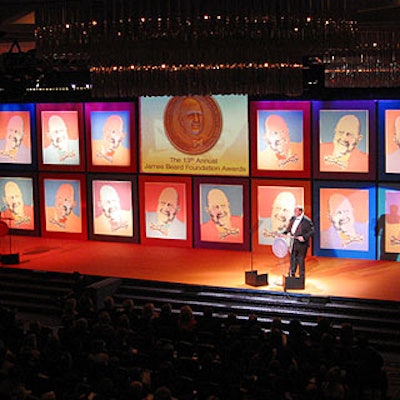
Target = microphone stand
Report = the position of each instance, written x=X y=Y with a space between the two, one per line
x=252 y=277
x=281 y=262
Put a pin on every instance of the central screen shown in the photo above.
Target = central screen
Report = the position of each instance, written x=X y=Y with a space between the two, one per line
x=206 y=135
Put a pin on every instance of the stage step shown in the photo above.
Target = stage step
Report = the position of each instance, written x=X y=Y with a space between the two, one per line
x=43 y=293
x=378 y=320
x=35 y=292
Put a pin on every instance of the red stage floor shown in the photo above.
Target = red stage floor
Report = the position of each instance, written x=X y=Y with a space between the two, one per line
x=377 y=280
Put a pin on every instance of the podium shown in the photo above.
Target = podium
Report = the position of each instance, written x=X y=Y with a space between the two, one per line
x=10 y=257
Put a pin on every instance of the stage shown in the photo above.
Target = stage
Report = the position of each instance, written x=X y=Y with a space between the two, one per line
x=326 y=277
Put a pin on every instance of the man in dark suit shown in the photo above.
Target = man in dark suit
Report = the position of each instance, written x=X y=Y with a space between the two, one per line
x=300 y=228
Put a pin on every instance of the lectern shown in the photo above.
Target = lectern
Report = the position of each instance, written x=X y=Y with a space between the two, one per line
x=9 y=258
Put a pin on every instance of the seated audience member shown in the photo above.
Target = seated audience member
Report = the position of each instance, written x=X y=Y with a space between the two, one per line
x=276 y=337
x=187 y=324
x=166 y=323
x=334 y=386
x=208 y=323
x=128 y=309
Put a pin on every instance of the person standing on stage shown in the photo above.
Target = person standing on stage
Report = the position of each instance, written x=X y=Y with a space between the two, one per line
x=300 y=228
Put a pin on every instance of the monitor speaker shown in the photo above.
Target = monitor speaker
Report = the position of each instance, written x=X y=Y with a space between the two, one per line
x=252 y=278
x=291 y=282
x=10 y=259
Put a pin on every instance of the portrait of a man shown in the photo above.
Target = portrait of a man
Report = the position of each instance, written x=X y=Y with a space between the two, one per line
x=61 y=141
x=112 y=208
x=346 y=148
x=280 y=146
x=15 y=142
x=191 y=116
x=221 y=214
x=193 y=124
x=63 y=206
x=17 y=202
x=110 y=138
x=392 y=221
x=275 y=208
x=392 y=138
x=343 y=231
x=166 y=218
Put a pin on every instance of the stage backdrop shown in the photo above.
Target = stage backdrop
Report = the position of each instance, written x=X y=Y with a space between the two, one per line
x=202 y=148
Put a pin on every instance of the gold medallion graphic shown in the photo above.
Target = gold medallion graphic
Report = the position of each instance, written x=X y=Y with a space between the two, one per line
x=193 y=124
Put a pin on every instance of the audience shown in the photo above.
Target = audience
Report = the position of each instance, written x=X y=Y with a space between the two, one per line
x=121 y=353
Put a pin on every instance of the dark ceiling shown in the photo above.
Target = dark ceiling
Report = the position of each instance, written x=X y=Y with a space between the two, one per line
x=377 y=14
x=11 y=11
x=369 y=15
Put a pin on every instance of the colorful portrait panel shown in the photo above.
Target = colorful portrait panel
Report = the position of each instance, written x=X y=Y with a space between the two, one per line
x=61 y=136
x=15 y=136
x=280 y=134
x=112 y=136
x=392 y=141
x=388 y=225
x=345 y=138
x=280 y=140
x=112 y=208
x=166 y=210
x=389 y=138
x=346 y=221
x=17 y=202
x=223 y=213
x=63 y=205
x=275 y=205
x=205 y=135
